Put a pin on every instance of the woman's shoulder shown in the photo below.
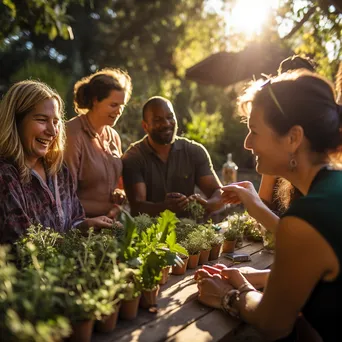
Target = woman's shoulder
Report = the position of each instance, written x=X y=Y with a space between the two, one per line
x=323 y=201
x=9 y=175
x=7 y=167
x=113 y=133
x=74 y=131
x=74 y=124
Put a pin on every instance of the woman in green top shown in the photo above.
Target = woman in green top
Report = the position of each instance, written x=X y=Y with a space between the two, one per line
x=294 y=131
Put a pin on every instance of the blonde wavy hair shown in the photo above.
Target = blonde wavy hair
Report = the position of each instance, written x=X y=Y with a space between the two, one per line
x=20 y=99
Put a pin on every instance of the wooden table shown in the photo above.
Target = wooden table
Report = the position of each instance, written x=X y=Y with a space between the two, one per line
x=180 y=316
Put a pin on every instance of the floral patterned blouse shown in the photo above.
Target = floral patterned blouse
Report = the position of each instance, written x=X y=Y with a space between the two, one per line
x=53 y=205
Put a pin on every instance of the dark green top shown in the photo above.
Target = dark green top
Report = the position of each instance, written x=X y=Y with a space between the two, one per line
x=187 y=162
x=322 y=208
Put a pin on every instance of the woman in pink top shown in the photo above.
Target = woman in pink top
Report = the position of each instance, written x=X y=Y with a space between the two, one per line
x=93 y=152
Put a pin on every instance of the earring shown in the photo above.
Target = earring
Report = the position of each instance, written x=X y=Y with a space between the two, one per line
x=293 y=162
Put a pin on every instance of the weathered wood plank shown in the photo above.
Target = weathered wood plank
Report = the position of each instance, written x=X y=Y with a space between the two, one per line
x=211 y=327
x=167 y=325
x=170 y=299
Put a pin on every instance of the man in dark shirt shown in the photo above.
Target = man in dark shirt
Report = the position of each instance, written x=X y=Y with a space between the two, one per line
x=161 y=170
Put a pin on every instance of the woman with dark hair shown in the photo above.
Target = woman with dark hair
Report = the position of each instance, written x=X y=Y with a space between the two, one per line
x=296 y=62
x=93 y=152
x=277 y=193
x=35 y=186
x=295 y=132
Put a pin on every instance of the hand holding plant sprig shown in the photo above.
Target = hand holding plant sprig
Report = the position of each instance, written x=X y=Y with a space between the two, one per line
x=195 y=209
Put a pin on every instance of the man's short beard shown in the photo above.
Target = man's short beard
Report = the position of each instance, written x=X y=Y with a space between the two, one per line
x=155 y=136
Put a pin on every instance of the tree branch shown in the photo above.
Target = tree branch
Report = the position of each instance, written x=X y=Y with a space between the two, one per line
x=300 y=23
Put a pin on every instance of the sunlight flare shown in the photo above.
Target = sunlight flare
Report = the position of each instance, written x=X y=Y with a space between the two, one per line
x=246 y=17
x=249 y=16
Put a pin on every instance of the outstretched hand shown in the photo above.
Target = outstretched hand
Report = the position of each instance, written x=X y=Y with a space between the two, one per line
x=242 y=192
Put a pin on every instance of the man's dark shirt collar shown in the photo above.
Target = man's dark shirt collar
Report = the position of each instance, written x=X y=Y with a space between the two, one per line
x=177 y=145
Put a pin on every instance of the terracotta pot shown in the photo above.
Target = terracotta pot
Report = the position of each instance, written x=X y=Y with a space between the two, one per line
x=129 y=308
x=165 y=275
x=193 y=261
x=81 y=331
x=228 y=246
x=215 y=252
x=179 y=270
x=149 y=298
x=108 y=323
x=204 y=257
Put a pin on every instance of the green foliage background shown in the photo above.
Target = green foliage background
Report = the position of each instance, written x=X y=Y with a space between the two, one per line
x=59 y=41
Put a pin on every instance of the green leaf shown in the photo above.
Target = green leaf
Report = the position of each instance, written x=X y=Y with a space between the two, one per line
x=53 y=32
x=166 y=222
x=11 y=6
x=180 y=249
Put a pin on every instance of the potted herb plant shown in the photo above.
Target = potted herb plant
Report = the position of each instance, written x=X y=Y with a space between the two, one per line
x=229 y=240
x=215 y=241
x=184 y=227
x=237 y=222
x=130 y=302
x=206 y=246
x=157 y=249
x=193 y=244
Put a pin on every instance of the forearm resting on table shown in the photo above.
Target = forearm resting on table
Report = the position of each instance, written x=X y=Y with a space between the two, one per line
x=247 y=306
x=257 y=278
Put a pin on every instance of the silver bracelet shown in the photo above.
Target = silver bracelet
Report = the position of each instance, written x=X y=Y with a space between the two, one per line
x=227 y=302
x=234 y=295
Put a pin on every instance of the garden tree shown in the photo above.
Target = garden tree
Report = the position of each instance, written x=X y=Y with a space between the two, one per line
x=47 y=17
x=155 y=41
x=131 y=35
x=147 y=38
x=316 y=31
x=42 y=70
x=21 y=20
